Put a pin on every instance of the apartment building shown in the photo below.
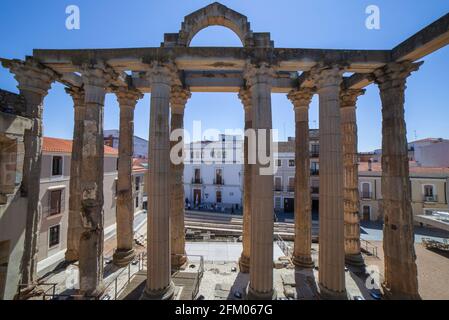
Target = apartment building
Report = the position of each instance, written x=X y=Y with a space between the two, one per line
x=284 y=178
x=429 y=189
x=13 y=202
x=54 y=197
x=213 y=173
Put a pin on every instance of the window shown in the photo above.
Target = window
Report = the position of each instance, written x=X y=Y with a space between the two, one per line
x=277 y=202
x=53 y=236
x=277 y=183
x=55 y=202
x=291 y=162
x=219 y=176
x=428 y=191
x=197 y=176
x=291 y=184
x=218 y=196
x=366 y=190
x=56 y=166
x=314 y=168
x=137 y=183
x=315 y=150
x=137 y=202
x=366 y=213
x=279 y=162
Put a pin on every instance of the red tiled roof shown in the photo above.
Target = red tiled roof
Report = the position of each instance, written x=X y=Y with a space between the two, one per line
x=65 y=146
x=139 y=164
x=414 y=168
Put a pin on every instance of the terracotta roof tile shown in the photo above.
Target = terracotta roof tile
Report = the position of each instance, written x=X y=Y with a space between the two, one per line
x=57 y=145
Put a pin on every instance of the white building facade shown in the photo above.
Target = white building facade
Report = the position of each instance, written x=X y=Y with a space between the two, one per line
x=213 y=174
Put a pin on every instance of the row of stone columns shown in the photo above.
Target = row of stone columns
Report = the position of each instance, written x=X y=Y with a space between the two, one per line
x=339 y=203
x=339 y=222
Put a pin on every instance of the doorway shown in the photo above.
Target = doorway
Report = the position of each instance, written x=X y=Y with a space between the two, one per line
x=197 y=197
x=289 y=205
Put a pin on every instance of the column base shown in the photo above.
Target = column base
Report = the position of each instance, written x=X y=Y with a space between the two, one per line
x=390 y=295
x=122 y=257
x=244 y=264
x=328 y=294
x=355 y=260
x=93 y=294
x=167 y=293
x=177 y=261
x=71 y=255
x=304 y=262
x=252 y=294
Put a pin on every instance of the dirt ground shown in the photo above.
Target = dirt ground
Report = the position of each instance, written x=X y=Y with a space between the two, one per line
x=433 y=271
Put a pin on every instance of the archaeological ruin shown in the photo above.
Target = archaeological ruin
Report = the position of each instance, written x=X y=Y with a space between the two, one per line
x=254 y=71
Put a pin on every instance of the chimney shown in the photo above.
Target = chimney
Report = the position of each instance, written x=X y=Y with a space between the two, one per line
x=370 y=167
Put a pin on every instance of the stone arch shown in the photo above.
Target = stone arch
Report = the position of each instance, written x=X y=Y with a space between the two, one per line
x=217 y=14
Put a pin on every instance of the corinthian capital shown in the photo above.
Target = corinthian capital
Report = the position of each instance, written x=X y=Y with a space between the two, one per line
x=245 y=97
x=348 y=97
x=255 y=74
x=97 y=75
x=178 y=98
x=165 y=73
x=31 y=76
x=77 y=95
x=127 y=97
x=301 y=97
x=394 y=75
x=327 y=75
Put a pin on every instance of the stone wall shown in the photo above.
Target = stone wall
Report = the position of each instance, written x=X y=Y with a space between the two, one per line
x=12 y=103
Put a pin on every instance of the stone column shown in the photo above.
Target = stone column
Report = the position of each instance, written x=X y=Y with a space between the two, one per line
x=331 y=235
x=179 y=97
x=95 y=79
x=124 y=254
x=244 y=261
x=34 y=81
x=74 y=228
x=259 y=80
x=401 y=279
x=159 y=284
x=353 y=255
x=303 y=215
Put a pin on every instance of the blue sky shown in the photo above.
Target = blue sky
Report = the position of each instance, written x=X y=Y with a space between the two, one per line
x=297 y=23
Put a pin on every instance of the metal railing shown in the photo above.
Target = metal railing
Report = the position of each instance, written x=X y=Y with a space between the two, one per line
x=290 y=189
x=314 y=153
x=199 y=274
x=366 y=195
x=433 y=198
x=197 y=181
x=314 y=190
x=314 y=172
x=219 y=182
x=277 y=188
x=288 y=252
x=368 y=247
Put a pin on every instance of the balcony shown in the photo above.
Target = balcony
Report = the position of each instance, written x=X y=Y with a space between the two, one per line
x=315 y=190
x=315 y=154
x=366 y=195
x=314 y=172
x=432 y=198
x=278 y=188
x=219 y=182
x=197 y=181
x=290 y=189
